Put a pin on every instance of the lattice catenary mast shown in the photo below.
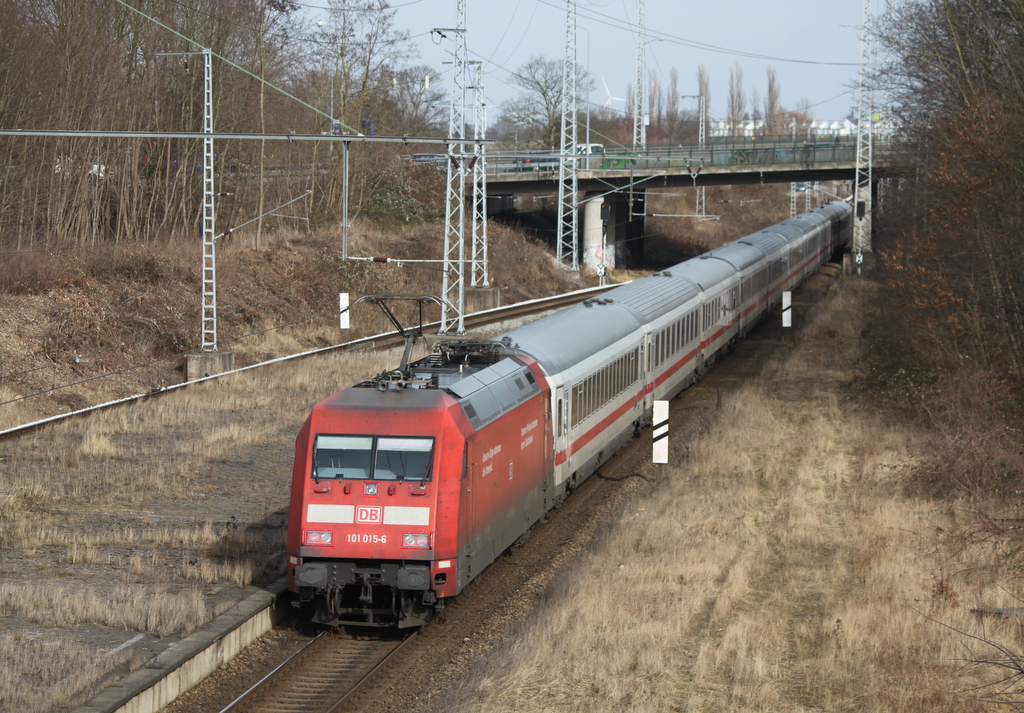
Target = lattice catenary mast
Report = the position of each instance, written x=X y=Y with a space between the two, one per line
x=453 y=286
x=209 y=218
x=865 y=141
x=701 y=203
x=640 y=96
x=209 y=324
x=568 y=187
x=478 y=256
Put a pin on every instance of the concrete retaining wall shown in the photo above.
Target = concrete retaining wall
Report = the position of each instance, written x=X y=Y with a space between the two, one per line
x=186 y=663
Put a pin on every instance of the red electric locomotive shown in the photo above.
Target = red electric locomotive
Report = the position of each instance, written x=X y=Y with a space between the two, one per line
x=407 y=486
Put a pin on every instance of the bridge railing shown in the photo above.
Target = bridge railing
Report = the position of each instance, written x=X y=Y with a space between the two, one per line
x=689 y=156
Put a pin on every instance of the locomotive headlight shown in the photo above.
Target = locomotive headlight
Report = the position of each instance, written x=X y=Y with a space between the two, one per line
x=369 y=488
x=416 y=541
x=319 y=537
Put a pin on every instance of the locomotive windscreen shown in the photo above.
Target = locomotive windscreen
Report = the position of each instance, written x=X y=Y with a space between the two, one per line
x=372 y=457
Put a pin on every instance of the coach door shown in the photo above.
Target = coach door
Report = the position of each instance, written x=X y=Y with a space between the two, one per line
x=561 y=433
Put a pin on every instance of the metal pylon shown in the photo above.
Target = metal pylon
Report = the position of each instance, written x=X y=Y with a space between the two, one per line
x=479 y=276
x=865 y=141
x=640 y=95
x=568 y=187
x=701 y=203
x=209 y=221
x=453 y=273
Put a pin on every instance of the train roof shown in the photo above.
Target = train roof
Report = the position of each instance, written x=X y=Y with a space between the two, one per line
x=809 y=220
x=652 y=296
x=491 y=392
x=570 y=336
x=741 y=255
x=787 y=230
x=705 y=271
x=835 y=210
x=769 y=242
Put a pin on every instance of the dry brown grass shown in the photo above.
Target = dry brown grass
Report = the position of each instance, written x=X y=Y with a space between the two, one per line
x=129 y=515
x=136 y=608
x=789 y=574
x=42 y=675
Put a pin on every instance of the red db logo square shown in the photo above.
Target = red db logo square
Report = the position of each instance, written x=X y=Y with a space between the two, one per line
x=369 y=515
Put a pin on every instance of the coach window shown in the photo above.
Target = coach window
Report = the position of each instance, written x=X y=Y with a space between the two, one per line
x=594 y=393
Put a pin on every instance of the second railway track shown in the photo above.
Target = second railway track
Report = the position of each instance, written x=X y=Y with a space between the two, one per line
x=477 y=319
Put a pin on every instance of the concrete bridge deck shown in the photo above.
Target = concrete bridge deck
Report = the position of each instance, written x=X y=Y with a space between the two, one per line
x=720 y=163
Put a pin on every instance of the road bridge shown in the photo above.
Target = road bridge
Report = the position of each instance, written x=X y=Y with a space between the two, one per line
x=613 y=181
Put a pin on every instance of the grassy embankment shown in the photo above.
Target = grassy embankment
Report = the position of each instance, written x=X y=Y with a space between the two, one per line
x=779 y=563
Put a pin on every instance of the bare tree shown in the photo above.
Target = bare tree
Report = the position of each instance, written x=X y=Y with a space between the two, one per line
x=96 y=66
x=672 y=106
x=704 y=90
x=420 y=108
x=772 y=109
x=955 y=75
x=737 y=99
x=537 y=111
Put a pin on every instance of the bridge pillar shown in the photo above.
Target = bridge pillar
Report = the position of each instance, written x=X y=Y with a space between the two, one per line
x=596 y=249
x=627 y=225
x=617 y=227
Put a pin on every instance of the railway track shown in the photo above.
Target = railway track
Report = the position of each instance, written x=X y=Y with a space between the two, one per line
x=322 y=677
x=477 y=319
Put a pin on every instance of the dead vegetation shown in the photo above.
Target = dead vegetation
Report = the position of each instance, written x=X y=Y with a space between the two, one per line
x=779 y=564
x=86 y=326
x=126 y=519
x=831 y=563
x=41 y=674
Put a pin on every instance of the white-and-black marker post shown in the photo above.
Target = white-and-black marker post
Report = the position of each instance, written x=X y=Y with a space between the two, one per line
x=787 y=309
x=343 y=309
x=661 y=431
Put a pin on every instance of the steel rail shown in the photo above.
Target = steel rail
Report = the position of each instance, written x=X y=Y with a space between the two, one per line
x=337 y=706
x=272 y=692
x=477 y=319
x=275 y=672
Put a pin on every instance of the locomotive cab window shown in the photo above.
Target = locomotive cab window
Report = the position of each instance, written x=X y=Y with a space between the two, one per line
x=342 y=457
x=403 y=458
x=372 y=457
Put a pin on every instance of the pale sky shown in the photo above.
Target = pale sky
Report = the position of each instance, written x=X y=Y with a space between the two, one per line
x=815 y=56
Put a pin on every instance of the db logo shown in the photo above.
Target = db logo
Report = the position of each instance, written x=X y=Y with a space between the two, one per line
x=369 y=515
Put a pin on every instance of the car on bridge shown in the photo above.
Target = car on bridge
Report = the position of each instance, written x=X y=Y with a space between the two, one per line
x=536 y=161
x=429 y=159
